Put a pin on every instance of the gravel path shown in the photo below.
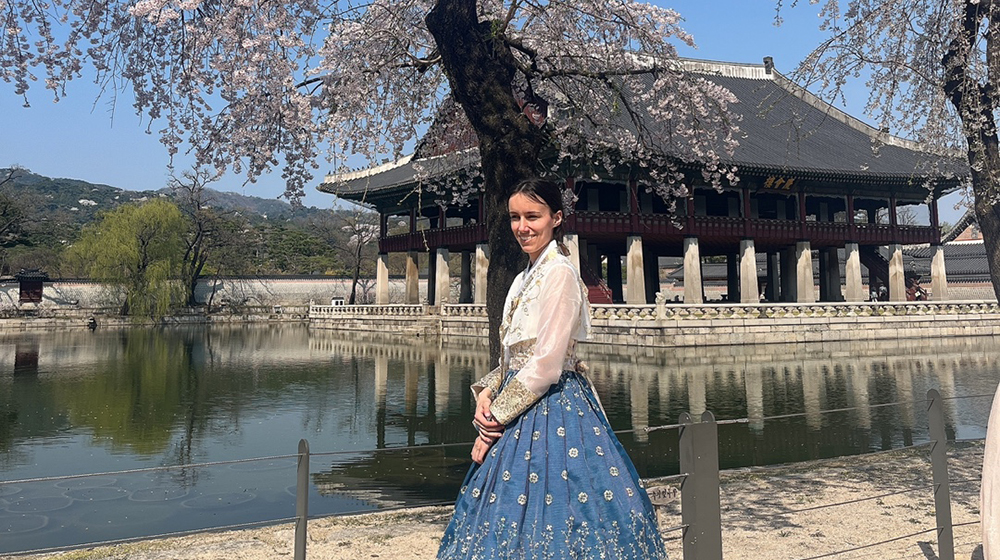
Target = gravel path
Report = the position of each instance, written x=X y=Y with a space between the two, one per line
x=767 y=513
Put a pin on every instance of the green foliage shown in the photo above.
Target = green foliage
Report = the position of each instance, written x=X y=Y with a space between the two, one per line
x=237 y=235
x=137 y=248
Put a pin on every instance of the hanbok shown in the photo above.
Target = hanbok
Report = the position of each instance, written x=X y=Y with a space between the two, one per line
x=558 y=484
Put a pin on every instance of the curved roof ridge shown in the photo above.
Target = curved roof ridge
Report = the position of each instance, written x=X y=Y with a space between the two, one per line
x=368 y=171
x=767 y=71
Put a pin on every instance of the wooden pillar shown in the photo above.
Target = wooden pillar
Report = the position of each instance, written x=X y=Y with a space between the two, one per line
x=772 y=288
x=651 y=269
x=614 y=279
x=830 y=274
x=732 y=278
x=789 y=283
x=465 y=280
x=431 y=277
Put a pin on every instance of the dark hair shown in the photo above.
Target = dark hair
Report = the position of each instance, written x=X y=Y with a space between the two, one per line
x=549 y=194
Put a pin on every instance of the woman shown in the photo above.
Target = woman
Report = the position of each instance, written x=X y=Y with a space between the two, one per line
x=551 y=480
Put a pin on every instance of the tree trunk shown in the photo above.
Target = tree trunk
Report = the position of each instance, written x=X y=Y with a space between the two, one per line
x=974 y=102
x=481 y=71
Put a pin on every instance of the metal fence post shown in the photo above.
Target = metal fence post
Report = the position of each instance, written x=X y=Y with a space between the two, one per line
x=700 y=511
x=302 y=501
x=939 y=466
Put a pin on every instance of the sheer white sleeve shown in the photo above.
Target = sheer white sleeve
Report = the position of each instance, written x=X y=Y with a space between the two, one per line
x=560 y=301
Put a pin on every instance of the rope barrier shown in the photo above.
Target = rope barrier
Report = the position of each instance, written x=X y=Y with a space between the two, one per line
x=147 y=469
x=156 y=536
x=864 y=546
x=824 y=506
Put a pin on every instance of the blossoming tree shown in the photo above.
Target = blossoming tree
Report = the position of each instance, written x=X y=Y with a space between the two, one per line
x=931 y=70
x=249 y=85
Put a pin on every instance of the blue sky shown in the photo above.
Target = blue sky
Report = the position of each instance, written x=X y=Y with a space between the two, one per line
x=83 y=139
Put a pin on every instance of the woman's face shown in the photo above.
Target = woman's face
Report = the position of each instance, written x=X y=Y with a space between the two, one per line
x=533 y=223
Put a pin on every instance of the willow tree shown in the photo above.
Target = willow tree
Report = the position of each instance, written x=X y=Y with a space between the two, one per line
x=248 y=85
x=137 y=249
x=931 y=71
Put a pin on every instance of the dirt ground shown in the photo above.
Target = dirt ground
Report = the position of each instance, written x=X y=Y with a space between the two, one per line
x=773 y=513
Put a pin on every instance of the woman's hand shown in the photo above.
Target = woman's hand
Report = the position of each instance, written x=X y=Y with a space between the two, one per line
x=480 y=449
x=488 y=428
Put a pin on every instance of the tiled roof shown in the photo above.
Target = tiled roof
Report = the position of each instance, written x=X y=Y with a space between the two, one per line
x=784 y=129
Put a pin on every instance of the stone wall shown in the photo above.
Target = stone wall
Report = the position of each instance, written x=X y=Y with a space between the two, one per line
x=701 y=325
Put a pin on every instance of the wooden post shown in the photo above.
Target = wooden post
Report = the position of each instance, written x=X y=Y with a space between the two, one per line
x=939 y=466
x=700 y=510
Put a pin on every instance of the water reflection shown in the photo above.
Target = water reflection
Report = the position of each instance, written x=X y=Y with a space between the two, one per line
x=100 y=401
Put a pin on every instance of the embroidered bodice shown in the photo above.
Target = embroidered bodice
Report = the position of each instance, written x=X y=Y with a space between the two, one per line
x=546 y=312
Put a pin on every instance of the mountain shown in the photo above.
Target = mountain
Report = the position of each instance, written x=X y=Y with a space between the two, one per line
x=78 y=202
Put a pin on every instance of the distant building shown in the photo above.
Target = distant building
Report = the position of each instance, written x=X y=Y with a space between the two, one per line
x=809 y=181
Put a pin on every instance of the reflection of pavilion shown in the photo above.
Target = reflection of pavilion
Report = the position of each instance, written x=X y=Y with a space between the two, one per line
x=658 y=385
x=809 y=181
x=422 y=390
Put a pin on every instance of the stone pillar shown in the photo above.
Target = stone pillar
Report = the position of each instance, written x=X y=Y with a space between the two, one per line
x=805 y=288
x=855 y=289
x=442 y=277
x=789 y=275
x=939 y=278
x=412 y=278
x=830 y=274
x=732 y=278
x=897 y=279
x=749 y=289
x=572 y=242
x=771 y=290
x=693 y=293
x=382 y=279
x=482 y=265
x=465 y=283
x=636 y=274
x=615 y=277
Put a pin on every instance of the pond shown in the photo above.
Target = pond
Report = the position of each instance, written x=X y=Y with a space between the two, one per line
x=76 y=402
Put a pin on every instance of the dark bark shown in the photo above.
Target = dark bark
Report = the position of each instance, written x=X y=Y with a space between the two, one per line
x=974 y=103
x=481 y=70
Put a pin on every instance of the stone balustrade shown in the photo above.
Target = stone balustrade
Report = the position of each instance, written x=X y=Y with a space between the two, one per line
x=680 y=312
x=393 y=310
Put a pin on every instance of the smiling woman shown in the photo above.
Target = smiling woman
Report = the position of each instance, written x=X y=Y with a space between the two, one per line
x=551 y=479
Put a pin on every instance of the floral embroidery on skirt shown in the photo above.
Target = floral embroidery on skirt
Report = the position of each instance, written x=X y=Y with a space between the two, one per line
x=558 y=484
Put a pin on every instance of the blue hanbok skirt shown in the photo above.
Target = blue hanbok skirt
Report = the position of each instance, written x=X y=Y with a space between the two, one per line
x=557 y=485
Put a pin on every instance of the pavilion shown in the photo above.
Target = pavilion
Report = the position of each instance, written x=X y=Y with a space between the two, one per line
x=812 y=178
